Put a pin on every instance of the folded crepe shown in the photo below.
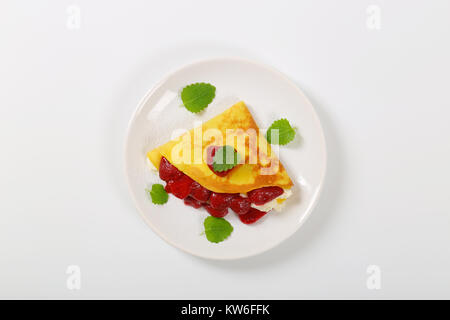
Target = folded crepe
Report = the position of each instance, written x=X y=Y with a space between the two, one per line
x=259 y=166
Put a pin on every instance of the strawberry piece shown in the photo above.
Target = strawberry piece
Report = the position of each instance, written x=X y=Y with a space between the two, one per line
x=240 y=205
x=167 y=171
x=189 y=201
x=220 y=201
x=263 y=195
x=252 y=216
x=199 y=193
x=210 y=152
x=218 y=213
x=167 y=187
x=180 y=188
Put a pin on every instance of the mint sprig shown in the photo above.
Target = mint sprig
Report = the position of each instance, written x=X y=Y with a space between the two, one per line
x=285 y=132
x=198 y=96
x=217 y=229
x=225 y=158
x=158 y=194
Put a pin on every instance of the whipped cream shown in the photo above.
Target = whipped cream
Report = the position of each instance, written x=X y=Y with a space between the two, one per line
x=278 y=203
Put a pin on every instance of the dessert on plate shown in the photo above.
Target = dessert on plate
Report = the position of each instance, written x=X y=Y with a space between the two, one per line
x=223 y=164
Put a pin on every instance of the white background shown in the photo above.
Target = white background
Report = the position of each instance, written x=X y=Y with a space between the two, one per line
x=66 y=96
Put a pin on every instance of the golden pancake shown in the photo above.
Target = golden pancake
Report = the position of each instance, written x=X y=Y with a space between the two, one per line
x=260 y=167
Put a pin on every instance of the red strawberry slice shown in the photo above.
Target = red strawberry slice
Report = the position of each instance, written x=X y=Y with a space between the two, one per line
x=218 y=213
x=263 y=195
x=180 y=188
x=240 y=205
x=167 y=187
x=189 y=201
x=220 y=201
x=252 y=216
x=167 y=171
x=210 y=152
x=199 y=193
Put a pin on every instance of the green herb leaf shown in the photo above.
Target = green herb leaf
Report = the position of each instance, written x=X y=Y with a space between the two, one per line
x=158 y=194
x=225 y=158
x=285 y=132
x=217 y=229
x=197 y=96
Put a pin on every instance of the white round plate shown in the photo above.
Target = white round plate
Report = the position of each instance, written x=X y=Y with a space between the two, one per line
x=270 y=96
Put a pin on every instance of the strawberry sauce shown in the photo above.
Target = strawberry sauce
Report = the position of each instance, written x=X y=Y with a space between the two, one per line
x=252 y=216
x=217 y=204
x=263 y=195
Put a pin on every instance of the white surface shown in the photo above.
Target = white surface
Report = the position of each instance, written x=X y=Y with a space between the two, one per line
x=382 y=97
x=269 y=96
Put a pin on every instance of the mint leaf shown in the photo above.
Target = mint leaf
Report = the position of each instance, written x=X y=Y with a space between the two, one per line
x=217 y=229
x=197 y=96
x=285 y=132
x=158 y=194
x=225 y=158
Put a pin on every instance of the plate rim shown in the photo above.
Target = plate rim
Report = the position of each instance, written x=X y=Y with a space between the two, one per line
x=262 y=65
